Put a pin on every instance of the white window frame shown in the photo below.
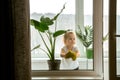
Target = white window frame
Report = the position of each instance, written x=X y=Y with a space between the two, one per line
x=98 y=52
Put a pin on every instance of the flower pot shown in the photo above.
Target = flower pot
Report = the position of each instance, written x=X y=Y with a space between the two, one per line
x=89 y=53
x=54 y=65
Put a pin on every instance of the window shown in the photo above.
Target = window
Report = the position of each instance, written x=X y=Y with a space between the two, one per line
x=78 y=17
x=65 y=21
x=118 y=38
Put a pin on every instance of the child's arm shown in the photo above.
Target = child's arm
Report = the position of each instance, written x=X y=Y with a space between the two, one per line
x=62 y=54
x=77 y=53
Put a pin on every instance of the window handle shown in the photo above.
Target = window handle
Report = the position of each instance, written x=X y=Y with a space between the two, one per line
x=117 y=35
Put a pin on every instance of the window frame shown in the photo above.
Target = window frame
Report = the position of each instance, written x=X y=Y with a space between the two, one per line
x=113 y=40
x=98 y=52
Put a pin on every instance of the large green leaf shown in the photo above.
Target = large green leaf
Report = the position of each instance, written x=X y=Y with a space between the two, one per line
x=59 y=32
x=34 y=22
x=39 y=25
x=44 y=26
x=36 y=47
x=46 y=20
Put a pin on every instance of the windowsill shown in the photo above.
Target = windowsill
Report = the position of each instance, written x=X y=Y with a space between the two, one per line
x=41 y=63
x=44 y=59
x=75 y=77
x=85 y=64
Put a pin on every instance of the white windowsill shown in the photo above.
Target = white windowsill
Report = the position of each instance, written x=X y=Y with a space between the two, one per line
x=44 y=59
x=71 y=78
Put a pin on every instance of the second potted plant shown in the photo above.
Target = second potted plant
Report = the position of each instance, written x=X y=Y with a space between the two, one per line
x=86 y=37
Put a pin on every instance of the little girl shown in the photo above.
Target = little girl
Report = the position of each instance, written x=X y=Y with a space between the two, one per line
x=69 y=41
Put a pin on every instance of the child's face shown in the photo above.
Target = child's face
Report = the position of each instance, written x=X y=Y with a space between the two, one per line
x=70 y=41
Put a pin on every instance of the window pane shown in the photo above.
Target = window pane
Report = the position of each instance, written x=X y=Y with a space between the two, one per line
x=88 y=22
x=105 y=28
x=118 y=56
x=105 y=38
x=118 y=39
x=65 y=21
x=118 y=17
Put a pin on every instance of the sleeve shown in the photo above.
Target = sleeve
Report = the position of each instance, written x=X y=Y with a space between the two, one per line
x=64 y=49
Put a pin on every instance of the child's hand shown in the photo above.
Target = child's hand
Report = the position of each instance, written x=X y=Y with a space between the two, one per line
x=71 y=54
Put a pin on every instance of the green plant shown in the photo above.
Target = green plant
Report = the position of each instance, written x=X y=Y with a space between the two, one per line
x=86 y=36
x=43 y=27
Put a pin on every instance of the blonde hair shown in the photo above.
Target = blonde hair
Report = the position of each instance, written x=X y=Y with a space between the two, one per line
x=66 y=35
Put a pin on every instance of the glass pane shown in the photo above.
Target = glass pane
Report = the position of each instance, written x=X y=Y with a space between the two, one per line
x=88 y=23
x=105 y=38
x=66 y=20
x=118 y=17
x=118 y=56
x=105 y=28
x=118 y=39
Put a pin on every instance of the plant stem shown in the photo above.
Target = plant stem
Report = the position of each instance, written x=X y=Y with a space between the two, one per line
x=45 y=52
x=49 y=37
x=45 y=43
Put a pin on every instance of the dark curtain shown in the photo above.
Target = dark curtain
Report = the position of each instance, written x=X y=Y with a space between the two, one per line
x=15 y=40
x=6 y=41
